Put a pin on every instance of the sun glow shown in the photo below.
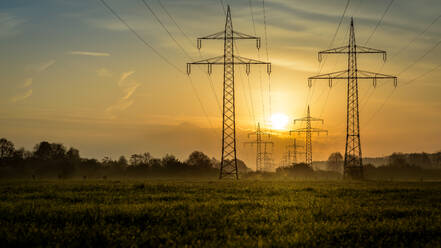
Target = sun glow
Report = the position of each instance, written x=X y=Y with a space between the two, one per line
x=279 y=121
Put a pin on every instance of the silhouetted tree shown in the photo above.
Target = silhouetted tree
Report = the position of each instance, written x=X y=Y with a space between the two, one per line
x=49 y=151
x=7 y=149
x=199 y=160
x=398 y=160
x=73 y=154
x=420 y=159
x=122 y=162
x=335 y=162
x=140 y=160
x=170 y=162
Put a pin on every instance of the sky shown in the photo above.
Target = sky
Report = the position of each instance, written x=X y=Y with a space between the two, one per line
x=70 y=72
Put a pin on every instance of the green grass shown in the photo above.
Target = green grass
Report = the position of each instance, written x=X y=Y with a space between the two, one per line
x=220 y=214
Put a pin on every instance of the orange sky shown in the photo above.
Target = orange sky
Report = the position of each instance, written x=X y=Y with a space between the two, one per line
x=72 y=73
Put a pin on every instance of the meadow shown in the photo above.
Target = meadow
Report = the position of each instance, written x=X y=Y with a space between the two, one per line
x=161 y=213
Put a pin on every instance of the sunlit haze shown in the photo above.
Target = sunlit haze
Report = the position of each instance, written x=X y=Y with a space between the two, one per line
x=279 y=121
x=73 y=73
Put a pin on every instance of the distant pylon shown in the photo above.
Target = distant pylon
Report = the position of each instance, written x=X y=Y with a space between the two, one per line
x=261 y=156
x=268 y=148
x=291 y=152
x=353 y=165
x=308 y=130
x=228 y=168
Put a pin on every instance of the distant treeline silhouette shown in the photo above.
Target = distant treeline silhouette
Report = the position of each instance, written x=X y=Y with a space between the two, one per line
x=54 y=160
x=395 y=166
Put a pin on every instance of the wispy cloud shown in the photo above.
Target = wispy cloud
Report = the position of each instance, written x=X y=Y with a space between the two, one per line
x=128 y=87
x=119 y=106
x=86 y=53
x=124 y=76
x=42 y=66
x=9 y=25
x=27 y=83
x=104 y=72
x=128 y=92
x=21 y=97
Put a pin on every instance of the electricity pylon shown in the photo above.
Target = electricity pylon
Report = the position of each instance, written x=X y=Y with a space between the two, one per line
x=353 y=165
x=308 y=130
x=261 y=156
x=291 y=152
x=268 y=155
x=228 y=167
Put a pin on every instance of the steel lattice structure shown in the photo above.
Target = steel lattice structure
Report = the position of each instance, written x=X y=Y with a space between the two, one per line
x=292 y=152
x=228 y=167
x=268 y=161
x=308 y=130
x=353 y=164
x=262 y=157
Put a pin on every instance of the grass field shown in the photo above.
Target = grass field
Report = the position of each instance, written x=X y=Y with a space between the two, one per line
x=220 y=214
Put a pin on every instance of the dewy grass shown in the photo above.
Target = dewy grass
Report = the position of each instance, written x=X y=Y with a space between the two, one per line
x=220 y=214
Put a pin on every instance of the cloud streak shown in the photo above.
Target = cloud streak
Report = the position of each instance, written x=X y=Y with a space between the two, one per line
x=41 y=67
x=9 y=25
x=104 y=72
x=128 y=86
x=86 y=53
x=27 y=83
x=21 y=97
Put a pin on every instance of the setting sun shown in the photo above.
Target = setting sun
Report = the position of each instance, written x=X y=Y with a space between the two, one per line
x=279 y=121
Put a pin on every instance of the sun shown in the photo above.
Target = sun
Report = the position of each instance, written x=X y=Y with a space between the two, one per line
x=279 y=121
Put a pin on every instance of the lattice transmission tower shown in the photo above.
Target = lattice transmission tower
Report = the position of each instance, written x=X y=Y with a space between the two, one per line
x=353 y=164
x=268 y=162
x=292 y=152
x=263 y=157
x=308 y=131
x=228 y=167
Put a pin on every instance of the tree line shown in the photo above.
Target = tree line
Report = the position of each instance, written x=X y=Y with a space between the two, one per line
x=49 y=160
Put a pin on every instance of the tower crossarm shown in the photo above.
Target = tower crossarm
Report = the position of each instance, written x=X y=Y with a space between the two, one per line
x=237 y=60
x=307 y=130
x=251 y=143
x=342 y=50
x=261 y=133
x=294 y=146
x=361 y=74
x=234 y=35
x=270 y=143
x=309 y=119
x=346 y=50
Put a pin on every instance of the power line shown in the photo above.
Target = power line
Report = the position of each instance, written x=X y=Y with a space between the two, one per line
x=339 y=23
x=421 y=57
x=250 y=4
x=251 y=100
x=321 y=66
x=404 y=84
x=267 y=55
x=178 y=44
x=112 y=11
x=411 y=65
x=252 y=15
x=174 y=21
x=223 y=6
x=379 y=22
x=165 y=28
x=422 y=75
x=265 y=30
x=417 y=36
